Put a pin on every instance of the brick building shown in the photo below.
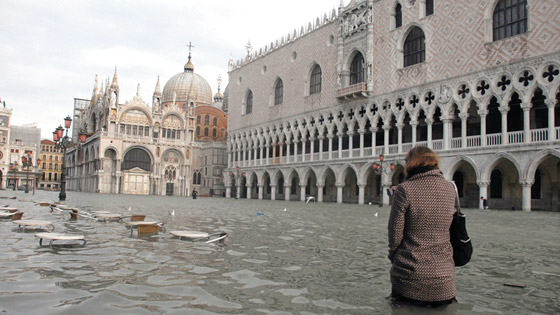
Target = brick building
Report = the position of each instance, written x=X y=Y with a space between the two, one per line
x=51 y=165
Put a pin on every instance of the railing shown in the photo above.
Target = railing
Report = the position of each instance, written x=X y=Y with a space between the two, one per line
x=367 y=151
x=406 y=147
x=557 y=133
x=494 y=139
x=393 y=148
x=345 y=153
x=456 y=143
x=437 y=144
x=473 y=141
x=515 y=137
x=352 y=89
x=378 y=150
x=539 y=135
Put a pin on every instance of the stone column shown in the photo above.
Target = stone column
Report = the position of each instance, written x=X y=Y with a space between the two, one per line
x=281 y=154
x=504 y=112
x=229 y=159
x=248 y=191
x=273 y=152
x=228 y=191
x=483 y=192
x=340 y=134
x=551 y=120
x=311 y=148
x=272 y=192
x=447 y=133
x=320 y=192
x=350 y=145
x=526 y=195
x=288 y=144
x=526 y=124
x=330 y=136
x=339 y=188
x=255 y=148
x=362 y=132
x=261 y=160
x=386 y=139
x=399 y=137
x=261 y=191
x=287 y=189
x=430 y=121
x=303 y=142
x=373 y=140
x=361 y=191
x=302 y=192
x=464 y=117
x=321 y=138
x=483 y=115
x=238 y=192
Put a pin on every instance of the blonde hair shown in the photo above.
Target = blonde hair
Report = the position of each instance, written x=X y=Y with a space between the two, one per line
x=420 y=159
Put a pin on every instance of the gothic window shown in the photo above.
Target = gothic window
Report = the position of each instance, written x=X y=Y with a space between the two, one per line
x=414 y=47
x=429 y=7
x=249 y=102
x=510 y=18
x=214 y=132
x=206 y=132
x=357 y=69
x=207 y=120
x=198 y=119
x=315 y=81
x=198 y=130
x=279 y=92
x=137 y=158
x=496 y=184
x=398 y=15
x=215 y=121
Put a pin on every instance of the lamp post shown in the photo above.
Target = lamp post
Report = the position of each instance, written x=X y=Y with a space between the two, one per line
x=380 y=169
x=62 y=141
x=27 y=162
x=237 y=181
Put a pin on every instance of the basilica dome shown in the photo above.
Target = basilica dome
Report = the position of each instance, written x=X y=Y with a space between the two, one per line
x=182 y=83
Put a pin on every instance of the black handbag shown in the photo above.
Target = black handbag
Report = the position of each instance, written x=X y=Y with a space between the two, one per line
x=460 y=240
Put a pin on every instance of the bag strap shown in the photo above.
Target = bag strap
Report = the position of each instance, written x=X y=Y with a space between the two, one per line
x=457 y=203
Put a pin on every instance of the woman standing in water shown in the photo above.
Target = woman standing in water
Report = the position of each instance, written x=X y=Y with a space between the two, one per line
x=423 y=270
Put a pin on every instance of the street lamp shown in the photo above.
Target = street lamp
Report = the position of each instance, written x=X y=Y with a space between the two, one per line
x=27 y=162
x=62 y=141
x=380 y=169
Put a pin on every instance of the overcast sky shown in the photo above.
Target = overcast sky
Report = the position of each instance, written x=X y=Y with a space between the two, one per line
x=50 y=51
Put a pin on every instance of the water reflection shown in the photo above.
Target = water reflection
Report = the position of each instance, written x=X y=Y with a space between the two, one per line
x=295 y=258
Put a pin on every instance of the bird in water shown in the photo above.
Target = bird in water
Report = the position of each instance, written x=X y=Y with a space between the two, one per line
x=285 y=209
x=130 y=208
x=172 y=212
x=376 y=213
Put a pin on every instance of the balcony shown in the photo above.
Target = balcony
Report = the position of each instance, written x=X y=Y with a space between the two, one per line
x=358 y=90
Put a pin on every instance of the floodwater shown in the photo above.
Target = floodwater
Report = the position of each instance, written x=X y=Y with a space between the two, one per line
x=292 y=258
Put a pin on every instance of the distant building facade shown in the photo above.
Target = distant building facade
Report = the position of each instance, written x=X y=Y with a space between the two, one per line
x=51 y=165
x=137 y=147
x=478 y=82
x=23 y=140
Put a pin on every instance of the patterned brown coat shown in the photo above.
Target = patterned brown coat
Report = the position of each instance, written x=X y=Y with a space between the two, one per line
x=419 y=246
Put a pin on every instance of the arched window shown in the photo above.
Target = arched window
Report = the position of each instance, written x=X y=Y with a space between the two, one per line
x=137 y=158
x=510 y=18
x=214 y=132
x=206 y=132
x=414 y=47
x=198 y=130
x=357 y=69
x=315 y=80
x=279 y=92
x=198 y=119
x=496 y=184
x=249 y=102
x=215 y=121
x=429 y=7
x=207 y=120
x=398 y=15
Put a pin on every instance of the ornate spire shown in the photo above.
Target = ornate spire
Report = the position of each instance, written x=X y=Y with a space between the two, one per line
x=95 y=89
x=115 y=83
x=189 y=67
x=138 y=90
x=249 y=48
x=158 y=89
